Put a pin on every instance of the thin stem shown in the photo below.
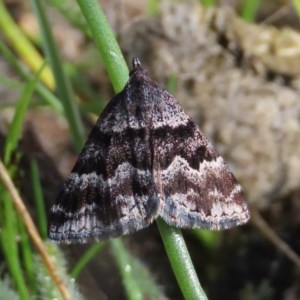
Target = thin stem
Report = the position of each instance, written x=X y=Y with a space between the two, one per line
x=106 y=42
x=181 y=262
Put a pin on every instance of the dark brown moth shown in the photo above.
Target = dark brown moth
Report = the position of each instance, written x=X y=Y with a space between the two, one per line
x=145 y=158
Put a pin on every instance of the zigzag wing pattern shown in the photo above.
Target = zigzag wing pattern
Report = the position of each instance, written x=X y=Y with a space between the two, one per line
x=145 y=158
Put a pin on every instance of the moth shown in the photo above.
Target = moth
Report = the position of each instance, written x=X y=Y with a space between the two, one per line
x=145 y=158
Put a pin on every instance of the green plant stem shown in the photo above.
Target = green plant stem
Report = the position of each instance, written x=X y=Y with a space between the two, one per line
x=133 y=290
x=38 y=198
x=208 y=3
x=249 y=9
x=152 y=7
x=297 y=7
x=181 y=262
x=27 y=256
x=106 y=43
x=88 y=256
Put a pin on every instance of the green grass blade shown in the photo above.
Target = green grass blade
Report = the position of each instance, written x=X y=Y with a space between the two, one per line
x=249 y=10
x=63 y=86
x=88 y=256
x=72 y=13
x=136 y=279
x=132 y=288
x=207 y=3
x=38 y=198
x=297 y=7
x=152 y=7
x=10 y=83
x=46 y=95
x=8 y=236
x=15 y=128
x=210 y=239
x=22 y=45
x=27 y=256
x=172 y=84
x=11 y=226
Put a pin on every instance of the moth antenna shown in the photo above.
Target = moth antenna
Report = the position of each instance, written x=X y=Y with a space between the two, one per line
x=136 y=63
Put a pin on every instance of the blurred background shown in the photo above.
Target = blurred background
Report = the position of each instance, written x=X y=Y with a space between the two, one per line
x=233 y=65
